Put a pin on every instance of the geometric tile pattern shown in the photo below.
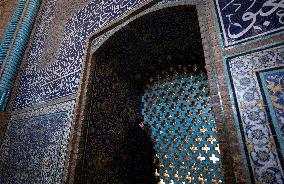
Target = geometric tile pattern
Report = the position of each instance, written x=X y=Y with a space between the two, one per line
x=35 y=145
x=261 y=147
x=241 y=20
x=183 y=128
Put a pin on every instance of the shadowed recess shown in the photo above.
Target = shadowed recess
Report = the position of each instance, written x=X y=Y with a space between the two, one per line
x=116 y=149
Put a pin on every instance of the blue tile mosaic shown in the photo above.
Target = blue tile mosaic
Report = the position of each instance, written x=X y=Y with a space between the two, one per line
x=32 y=144
x=245 y=20
x=262 y=149
x=35 y=145
x=66 y=69
x=62 y=77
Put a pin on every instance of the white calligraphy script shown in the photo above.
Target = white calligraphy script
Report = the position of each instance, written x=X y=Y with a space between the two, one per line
x=268 y=8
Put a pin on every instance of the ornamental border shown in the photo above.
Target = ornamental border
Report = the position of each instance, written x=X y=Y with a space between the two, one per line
x=234 y=102
x=243 y=42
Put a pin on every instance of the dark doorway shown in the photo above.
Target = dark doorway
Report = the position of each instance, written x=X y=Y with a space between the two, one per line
x=116 y=149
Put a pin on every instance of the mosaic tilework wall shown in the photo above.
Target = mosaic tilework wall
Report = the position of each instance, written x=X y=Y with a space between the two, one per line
x=35 y=147
x=40 y=84
x=61 y=78
x=263 y=145
x=245 y=20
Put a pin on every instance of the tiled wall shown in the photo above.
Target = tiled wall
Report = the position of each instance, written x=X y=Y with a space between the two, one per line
x=46 y=90
x=263 y=147
x=61 y=78
x=51 y=82
x=35 y=146
x=254 y=66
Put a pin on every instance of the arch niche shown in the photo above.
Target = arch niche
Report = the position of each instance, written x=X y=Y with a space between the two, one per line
x=154 y=42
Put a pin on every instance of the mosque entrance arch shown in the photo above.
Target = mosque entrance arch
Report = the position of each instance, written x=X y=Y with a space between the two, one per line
x=165 y=48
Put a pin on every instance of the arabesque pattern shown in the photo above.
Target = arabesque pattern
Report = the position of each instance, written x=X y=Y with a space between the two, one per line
x=260 y=141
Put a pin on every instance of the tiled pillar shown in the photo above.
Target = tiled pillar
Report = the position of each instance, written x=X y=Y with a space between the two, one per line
x=7 y=8
x=14 y=45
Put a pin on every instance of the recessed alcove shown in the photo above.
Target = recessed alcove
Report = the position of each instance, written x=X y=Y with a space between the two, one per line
x=152 y=48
